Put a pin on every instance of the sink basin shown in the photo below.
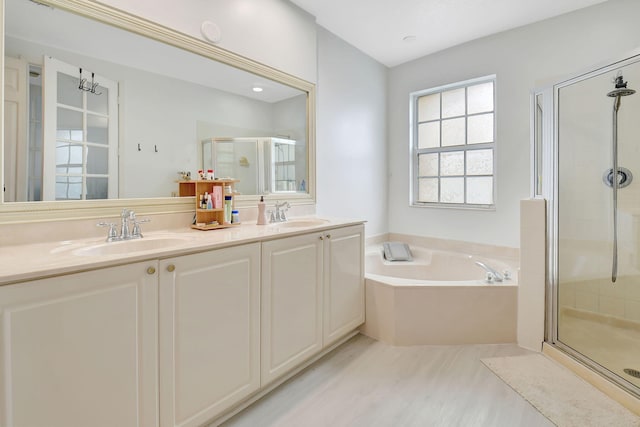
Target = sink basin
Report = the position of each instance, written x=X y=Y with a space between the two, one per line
x=129 y=246
x=300 y=223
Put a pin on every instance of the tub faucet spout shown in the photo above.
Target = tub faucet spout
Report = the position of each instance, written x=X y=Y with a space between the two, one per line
x=498 y=277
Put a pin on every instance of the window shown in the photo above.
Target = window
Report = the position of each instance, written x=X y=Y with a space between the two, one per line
x=453 y=145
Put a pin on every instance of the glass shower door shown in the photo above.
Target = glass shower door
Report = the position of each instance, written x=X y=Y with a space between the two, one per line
x=598 y=222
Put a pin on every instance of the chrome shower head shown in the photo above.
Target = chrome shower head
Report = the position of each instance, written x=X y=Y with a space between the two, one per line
x=623 y=91
x=621 y=88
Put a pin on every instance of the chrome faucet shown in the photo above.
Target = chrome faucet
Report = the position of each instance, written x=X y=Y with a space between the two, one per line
x=491 y=273
x=124 y=224
x=129 y=227
x=279 y=215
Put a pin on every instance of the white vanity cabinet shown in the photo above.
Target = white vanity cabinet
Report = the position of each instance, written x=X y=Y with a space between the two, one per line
x=312 y=295
x=177 y=341
x=291 y=327
x=343 y=282
x=81 y=349
x=209 y=333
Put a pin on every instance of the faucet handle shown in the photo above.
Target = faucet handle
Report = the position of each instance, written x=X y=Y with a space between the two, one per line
x=136 y=233
x=112 y=234
x=283 y=214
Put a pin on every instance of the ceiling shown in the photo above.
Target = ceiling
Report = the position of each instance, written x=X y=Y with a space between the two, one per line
x=379 y=27
x=57 y=29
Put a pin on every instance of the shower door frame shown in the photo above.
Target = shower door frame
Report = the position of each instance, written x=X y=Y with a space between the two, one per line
x=549 y=190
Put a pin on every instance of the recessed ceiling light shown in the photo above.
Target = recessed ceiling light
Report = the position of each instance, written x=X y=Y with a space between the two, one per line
x=257 y=89
x=409 y=39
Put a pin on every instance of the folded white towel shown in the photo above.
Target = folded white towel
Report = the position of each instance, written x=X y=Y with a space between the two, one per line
x=397 y=251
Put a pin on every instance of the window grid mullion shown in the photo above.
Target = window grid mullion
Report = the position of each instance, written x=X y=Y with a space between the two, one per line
x=440 y=153
x=464 y=163
x=439 y=177
x=472 y=147
x=466 y=144
x=429 y=176
x=482 y=113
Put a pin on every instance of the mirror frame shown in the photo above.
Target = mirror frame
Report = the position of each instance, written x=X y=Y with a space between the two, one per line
x=20 y=212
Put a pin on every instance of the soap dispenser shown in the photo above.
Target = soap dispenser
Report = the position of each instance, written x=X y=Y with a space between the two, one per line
x=262 y=214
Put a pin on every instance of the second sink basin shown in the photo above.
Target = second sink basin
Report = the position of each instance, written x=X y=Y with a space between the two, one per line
x=301 y=223
x=129 y=246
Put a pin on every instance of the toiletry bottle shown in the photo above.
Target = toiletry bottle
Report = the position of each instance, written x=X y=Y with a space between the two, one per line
x=217 y=197
x=209 y=202
x=203 y=203
x=227 y=209
x=262 y=214
x=235 y=217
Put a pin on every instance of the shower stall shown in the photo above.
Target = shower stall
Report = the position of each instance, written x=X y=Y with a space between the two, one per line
x=586 y=151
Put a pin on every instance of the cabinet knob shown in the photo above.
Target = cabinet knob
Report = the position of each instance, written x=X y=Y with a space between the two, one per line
x=171 y=268
x=321 y=237
x=328 y=236
x=151 y=270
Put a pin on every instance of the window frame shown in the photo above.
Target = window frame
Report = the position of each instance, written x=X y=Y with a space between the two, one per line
x=414 y=151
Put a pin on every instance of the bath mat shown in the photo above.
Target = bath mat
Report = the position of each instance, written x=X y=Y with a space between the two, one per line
x=561 y=396
x=397 y=251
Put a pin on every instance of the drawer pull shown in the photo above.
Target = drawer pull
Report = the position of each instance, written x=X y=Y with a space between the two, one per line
x=151 y=270
x=328 y=236
x=171 y=268
x=321 y=237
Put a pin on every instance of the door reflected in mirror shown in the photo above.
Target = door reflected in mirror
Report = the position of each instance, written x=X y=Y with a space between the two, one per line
x=63 y=141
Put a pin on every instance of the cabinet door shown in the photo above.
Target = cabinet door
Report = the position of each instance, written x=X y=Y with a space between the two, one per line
x=291 y=328
x=209 y=333
x=81 y=349
x=343 y=281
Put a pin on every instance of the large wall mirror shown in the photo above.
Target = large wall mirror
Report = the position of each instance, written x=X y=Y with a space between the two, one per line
x=102 y=109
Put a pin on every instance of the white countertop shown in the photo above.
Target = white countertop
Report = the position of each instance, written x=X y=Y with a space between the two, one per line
x=37 y=260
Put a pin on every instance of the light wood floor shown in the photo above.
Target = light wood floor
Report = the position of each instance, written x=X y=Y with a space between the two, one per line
x=365 y=383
